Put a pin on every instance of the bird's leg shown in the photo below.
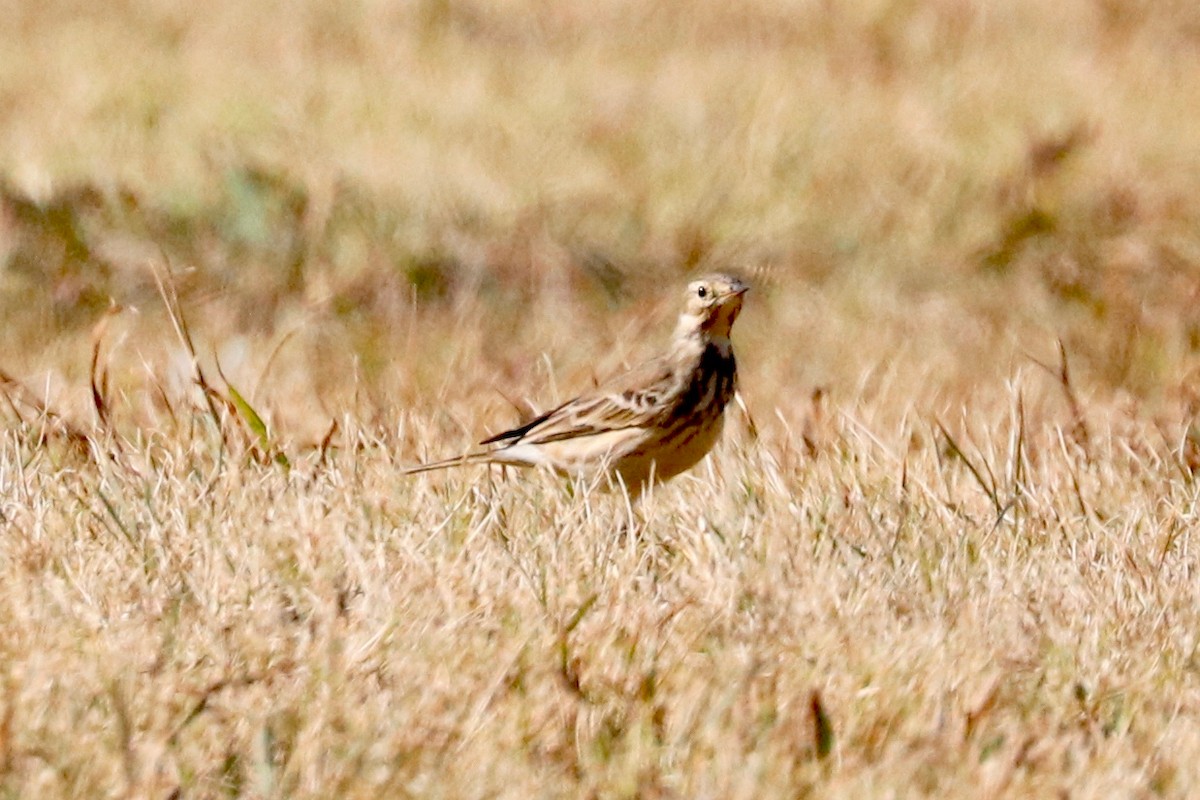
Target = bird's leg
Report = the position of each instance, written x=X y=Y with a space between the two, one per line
x=633 y=522
x=633 y=528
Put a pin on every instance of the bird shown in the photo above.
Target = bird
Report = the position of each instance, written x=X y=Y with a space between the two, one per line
x=644 y=426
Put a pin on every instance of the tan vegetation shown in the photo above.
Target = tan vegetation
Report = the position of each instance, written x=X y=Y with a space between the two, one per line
x=952 y=556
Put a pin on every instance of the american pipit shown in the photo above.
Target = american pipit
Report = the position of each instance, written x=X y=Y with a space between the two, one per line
x=648 y=424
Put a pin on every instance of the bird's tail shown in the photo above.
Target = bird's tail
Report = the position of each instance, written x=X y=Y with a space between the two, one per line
x=481 y=457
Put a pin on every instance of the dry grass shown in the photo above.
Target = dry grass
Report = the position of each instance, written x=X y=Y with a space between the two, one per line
x=956 y=560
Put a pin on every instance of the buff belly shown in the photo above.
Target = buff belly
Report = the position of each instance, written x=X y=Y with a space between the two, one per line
x=670 y=460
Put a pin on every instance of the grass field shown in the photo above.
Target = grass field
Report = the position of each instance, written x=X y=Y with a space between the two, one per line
x=952 y=554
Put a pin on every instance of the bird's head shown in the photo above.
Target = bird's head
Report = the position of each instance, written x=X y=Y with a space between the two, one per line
x=711 y=304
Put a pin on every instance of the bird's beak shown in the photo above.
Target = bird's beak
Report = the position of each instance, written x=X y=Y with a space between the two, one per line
x=738 y=289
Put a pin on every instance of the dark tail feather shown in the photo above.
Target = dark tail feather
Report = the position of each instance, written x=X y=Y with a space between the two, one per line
x=445 y=463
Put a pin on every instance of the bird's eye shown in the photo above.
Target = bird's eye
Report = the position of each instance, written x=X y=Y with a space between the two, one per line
x=702 y=292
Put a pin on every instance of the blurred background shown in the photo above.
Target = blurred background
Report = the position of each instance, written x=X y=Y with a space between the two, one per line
x=368 y=207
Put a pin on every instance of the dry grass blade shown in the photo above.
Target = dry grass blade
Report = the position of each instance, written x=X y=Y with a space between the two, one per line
x=170 y=297
x=823 y=739
x=253 y=421
x=567 y=667
x=98 y=372
x=526 y=411
x=206 y=696
x=326 y=442
x=1079 y=423
x=751 y=428
x=17 y=394
x=270 y=362
x=989 y=488
x=1079 y=429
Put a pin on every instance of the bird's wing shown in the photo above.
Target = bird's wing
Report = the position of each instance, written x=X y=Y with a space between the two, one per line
x=630 y=400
